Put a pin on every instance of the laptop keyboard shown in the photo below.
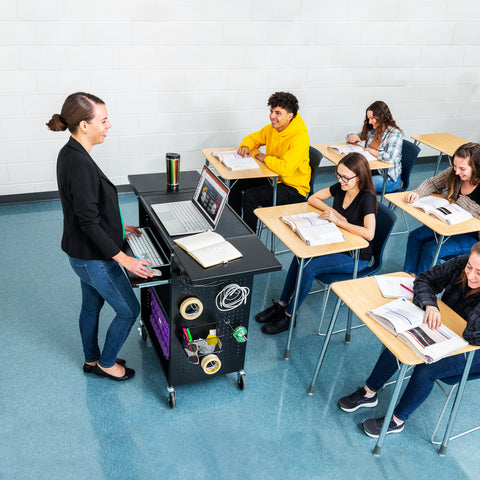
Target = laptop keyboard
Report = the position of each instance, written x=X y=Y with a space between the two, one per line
x=144 y=249
x=189 y=217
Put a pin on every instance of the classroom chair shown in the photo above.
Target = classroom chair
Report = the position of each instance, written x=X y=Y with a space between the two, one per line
x=409 y=157
x=453 y=382
x=384 y=223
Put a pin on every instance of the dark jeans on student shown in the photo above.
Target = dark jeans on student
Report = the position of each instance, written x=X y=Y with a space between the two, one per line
x=247 y=195
x=422 y=380
x=104 y=280
x=334 y=263
x=421 y=247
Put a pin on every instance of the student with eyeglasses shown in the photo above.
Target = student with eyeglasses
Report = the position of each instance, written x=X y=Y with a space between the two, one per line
x=354 y=209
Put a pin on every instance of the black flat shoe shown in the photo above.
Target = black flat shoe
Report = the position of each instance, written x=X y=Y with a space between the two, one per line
x=89 y=368
x=270 y=313
x=129 y=373
x=277 y=325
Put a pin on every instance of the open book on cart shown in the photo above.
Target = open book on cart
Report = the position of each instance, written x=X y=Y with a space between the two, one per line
x=349 y=148
x=442 y=209
x=312 y=229
x=405 y=320
x=208 y=248
x=234 y=161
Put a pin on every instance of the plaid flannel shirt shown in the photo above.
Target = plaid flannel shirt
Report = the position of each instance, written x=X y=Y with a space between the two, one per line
x=390 y=149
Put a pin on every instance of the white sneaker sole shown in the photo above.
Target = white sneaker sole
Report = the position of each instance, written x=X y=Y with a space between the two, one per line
x=361 y=405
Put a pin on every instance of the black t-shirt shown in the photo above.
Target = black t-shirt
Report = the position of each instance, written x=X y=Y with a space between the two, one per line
x=363 y=204
x=475 y=195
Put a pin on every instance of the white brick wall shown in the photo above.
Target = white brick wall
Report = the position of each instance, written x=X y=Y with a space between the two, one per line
x=183 y=75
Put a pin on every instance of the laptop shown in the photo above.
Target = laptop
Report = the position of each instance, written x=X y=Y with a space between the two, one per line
x=200 y=214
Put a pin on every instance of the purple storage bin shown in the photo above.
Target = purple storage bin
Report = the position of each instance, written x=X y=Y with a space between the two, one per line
x=160 y=325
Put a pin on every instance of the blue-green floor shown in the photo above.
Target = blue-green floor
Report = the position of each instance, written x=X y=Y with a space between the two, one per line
x=59 y=423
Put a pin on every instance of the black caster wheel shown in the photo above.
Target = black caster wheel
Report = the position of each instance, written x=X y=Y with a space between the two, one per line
x=172 y=400
x=144 y=333
x=242 y=381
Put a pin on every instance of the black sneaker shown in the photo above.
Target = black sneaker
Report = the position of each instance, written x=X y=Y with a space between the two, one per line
x=277 y=325
x=372 y=427
x=357 y=400
x=270 y=313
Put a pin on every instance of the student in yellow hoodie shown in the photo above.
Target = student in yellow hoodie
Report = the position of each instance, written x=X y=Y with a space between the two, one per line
x=287 y=144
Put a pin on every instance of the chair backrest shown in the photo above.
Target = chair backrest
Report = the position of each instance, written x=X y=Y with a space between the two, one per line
x=410 y=153
x=315 y=159
x=384 y=223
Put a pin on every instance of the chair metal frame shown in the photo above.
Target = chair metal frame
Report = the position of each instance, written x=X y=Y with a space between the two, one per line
x=449 y=395
x=386 y=219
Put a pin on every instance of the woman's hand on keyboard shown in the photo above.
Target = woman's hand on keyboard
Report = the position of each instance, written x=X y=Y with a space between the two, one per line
x=134 y=265
x=132 y=229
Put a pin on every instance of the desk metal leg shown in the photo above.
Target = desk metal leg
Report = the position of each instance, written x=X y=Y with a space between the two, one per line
x=437 y=250
x=311 y=388
x=286 y=355
x=384 y=186
x=349 y=317
x=461 y=386
x=272 y=237
x=391 y=406
x=439 y=160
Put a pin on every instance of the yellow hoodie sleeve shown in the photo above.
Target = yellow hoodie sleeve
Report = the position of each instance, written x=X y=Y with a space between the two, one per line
x=255 y=140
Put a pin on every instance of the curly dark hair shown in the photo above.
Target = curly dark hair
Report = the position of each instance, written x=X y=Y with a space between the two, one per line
x=383 y=115
x=284 y=100
x=470 y=151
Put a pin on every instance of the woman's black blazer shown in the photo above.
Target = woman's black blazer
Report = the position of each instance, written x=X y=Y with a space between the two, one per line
x=92 y=225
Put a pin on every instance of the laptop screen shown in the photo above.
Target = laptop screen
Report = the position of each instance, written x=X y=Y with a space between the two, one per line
x=210 y=196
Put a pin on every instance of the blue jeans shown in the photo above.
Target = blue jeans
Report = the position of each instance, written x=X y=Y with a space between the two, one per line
x=335 y=263
x=422 y=380
x=421 y=247
x=104 y=280
x=390 y=187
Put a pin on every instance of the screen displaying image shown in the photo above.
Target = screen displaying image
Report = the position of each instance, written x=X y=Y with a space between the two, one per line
x=210 y=194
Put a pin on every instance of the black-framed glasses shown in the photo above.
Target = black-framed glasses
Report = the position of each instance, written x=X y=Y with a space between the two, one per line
x=344 y=179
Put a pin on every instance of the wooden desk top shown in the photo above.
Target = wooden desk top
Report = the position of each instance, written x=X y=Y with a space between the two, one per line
x=363 y=294
x=430 y=221
x=443 y=142
x=335 y=157
x=270 y=216
x=227 y=174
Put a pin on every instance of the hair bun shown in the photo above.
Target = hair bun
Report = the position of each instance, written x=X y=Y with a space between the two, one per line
x=57 y=123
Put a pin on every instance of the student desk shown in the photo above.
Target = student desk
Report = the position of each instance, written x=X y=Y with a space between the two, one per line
x=231 y=176
x=374 y=165
x=270 y=216
x=362 y=295
x=163 y=311
x=443 y=142
x=443 y=229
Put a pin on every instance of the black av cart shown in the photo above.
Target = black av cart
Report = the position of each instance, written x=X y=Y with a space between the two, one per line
x=197 y=318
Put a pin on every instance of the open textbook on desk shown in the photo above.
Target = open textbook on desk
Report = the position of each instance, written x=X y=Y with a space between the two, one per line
x=405 y=321
x=312 y=229
x=442 y=209
x=349 y=148
x=234 y=161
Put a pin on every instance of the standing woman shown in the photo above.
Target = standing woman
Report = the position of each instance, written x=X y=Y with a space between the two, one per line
x=93 y=235
x=384 y=140
x=462 y=183
x=354 y=209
